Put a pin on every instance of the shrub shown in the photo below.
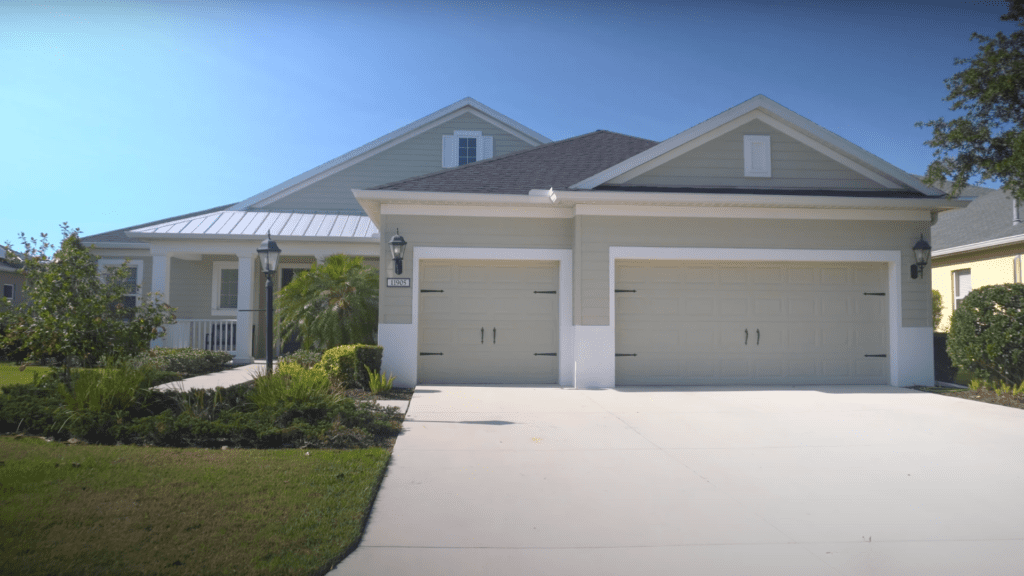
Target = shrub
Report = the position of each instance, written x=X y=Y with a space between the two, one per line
x=107 y=389
x=304 y=358
x=936 y=309
x=986 y=334
x=344 y=364
x=30 y=408
x=292 y=384
x=379 y=382
x=186 y=361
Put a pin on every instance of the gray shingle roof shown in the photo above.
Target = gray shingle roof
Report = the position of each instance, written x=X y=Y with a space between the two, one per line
x=988 y=217
x=120 y=236
x=555 y=165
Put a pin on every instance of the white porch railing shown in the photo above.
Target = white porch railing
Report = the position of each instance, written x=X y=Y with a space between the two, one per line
x=219 y=335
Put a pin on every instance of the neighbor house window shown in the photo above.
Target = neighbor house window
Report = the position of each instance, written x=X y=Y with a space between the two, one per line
x=465 y=147
x=225 y=288
x=9 y=292
x=961 y=286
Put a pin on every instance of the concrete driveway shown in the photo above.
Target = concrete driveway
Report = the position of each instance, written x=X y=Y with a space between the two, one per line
x=848 y=480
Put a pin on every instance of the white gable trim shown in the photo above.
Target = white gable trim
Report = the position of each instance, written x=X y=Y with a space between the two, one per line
x=765 y=104
x=394 y=138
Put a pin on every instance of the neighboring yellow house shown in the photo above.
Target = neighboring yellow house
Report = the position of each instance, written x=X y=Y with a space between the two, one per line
x=979 y=245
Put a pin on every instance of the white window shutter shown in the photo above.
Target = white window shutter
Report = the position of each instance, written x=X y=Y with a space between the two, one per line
x=485 y=147
x=449 y=151
x=757 y=156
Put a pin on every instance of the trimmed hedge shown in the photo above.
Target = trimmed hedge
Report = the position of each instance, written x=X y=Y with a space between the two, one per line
x=346 y=365
x=185 y=361
x=986 y=334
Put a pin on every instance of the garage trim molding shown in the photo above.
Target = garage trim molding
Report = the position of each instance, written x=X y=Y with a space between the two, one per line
x=890 y=257
x=405 y=363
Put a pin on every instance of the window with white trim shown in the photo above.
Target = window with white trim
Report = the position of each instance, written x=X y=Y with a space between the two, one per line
x=757 y=156
x=961 y=286
x=9 y=292
x=465 y=147
x=132 y=283
x=225 y=288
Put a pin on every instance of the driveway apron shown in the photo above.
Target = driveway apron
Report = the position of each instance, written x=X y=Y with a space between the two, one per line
x=683 y=480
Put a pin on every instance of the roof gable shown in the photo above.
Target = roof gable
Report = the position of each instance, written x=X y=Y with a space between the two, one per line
x=767 y=112
x=293 y=185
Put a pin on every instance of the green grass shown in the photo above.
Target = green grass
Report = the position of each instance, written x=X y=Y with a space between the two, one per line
x=86 y=509
x=10 y=373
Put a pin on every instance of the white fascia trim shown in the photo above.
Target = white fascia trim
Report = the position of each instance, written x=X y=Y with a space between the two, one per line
x=766 y=200
x=979 y=245
x=760 y=213
x=771 y=107
x=370 y=247
x=478 y=211
x=383 y=143
x=564 y=259
x=120 y=245
x=890 y=257
x=254 y=237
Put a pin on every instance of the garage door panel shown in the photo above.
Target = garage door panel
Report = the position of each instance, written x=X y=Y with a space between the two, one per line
x=501 y=299
x=814 y=322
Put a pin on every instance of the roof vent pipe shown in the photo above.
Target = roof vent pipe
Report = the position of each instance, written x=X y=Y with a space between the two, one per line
x=1016 y=211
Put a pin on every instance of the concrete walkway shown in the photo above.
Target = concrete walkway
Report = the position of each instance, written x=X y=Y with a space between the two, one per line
x=804 y=481
x=241 y=375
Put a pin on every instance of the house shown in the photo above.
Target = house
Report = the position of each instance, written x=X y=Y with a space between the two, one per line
x=755 y=248
x=12 y=279
x=980 y=245
x=205 y=264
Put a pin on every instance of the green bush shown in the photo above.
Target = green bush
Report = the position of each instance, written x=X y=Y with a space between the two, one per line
x=304 y=358
x=379 y=381
x=986 y=334
x=30 y=408
x=344 y=365
x=936 y=309
x=291 y=384
x=186 y=361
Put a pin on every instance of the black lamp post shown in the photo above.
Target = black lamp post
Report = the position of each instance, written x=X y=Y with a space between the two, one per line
x=269 y=253
x=397 y=250
x=922 y=250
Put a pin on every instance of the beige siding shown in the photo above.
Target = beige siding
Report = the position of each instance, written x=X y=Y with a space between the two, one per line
x=987 y=268
x=396 y=303
x=16 y=279
x=414 y=157
x=192 y=287
x=719 y=163
x=601 y=232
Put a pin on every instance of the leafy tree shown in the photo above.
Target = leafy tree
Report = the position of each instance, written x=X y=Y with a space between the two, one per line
x=987 y=141
x=75 y=313
x=330 y=304
x=986 y=334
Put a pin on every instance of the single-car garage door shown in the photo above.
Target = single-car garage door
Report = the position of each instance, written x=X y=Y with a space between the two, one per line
x=750 y=323
x=488 y=322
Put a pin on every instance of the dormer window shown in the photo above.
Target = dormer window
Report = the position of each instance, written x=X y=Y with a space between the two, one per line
x=465 y=147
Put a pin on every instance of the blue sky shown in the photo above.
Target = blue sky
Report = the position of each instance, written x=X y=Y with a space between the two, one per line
x=119 y=113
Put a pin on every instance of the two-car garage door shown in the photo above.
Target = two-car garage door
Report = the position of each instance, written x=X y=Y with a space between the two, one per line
x=750 y=323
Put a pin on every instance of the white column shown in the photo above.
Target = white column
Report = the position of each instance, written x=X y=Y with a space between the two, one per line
x=243 y=335
x=161 y=284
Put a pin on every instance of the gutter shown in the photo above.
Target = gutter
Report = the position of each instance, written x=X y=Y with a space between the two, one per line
x=978 y=246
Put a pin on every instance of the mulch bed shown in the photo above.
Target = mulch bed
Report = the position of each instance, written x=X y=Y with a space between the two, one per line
x=982 y=395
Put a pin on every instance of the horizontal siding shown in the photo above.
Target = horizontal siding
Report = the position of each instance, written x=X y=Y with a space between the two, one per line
x=719 y=163
x=459 y=232
x=414 y=157
x=601 y=232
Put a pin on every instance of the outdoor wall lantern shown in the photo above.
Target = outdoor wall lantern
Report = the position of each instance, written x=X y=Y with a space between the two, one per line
x=397 y=250
x=922 y=250
x=269 y=254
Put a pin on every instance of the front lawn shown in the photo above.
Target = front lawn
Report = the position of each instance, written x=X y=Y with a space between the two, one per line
x=11 y=373
x=87 y=509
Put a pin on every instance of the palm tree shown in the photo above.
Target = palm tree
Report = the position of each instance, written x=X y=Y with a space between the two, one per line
x=331 y=304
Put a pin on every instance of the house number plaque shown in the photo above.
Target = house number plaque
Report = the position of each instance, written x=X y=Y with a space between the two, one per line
x=399 y=283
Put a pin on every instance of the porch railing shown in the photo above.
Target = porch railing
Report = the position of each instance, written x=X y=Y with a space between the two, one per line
x=219 y=335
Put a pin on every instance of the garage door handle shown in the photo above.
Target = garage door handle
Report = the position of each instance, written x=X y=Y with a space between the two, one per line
x=481 y=334
x=758 y=337
x=545 y=353
x=625 y=354
x=874 y=355
x=746 y=336
x=495 y=336
x=431 y=353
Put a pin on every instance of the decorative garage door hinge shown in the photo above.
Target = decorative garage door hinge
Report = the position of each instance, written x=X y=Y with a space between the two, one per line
x=617 y=291
x=544 y=292
x=874 y=293
x=545 y=353
x=874 y=356
x=431 y=290
x=625 y=354
x=431 y=353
